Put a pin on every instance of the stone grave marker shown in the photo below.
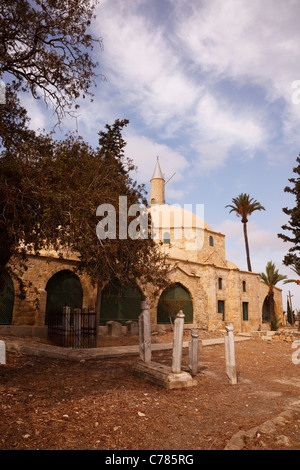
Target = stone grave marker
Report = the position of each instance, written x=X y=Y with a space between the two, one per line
x=194 y=352
x=145 y=333
x=230 y=354
x=2 y=352
x=178 y=343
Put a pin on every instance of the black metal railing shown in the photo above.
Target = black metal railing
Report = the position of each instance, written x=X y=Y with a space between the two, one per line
x=72 y=328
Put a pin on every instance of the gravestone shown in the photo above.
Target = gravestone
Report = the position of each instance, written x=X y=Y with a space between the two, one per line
x=177 y=343
x=2 y=352
x=132 y=328
x=194 y=352
x=145 y=333
x=230 y=354
x=161 y=374
x=114 y=328
x=66 y=320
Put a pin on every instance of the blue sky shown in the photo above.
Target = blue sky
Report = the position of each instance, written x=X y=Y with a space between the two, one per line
x=207 y=87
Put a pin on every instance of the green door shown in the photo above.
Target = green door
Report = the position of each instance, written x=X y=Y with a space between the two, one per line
x=120 y=303
x=172 y=300
x=7 y=301
x=63 y=289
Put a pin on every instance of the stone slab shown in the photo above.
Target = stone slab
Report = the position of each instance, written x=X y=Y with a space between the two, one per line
x=212 y=341
x=162 y=375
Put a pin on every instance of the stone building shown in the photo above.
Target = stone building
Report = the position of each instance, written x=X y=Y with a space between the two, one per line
x=208 y=288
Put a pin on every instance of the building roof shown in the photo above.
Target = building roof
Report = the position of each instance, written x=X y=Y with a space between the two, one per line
x=157 y=171
x=176 y=217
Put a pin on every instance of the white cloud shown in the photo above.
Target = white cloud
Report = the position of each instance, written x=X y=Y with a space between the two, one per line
x=167 y=75
x=143 y=66
x=144 y=152
x=260 y=239
x=221 y=127
x=246 y=42
x=164 y=71
x=35 y=111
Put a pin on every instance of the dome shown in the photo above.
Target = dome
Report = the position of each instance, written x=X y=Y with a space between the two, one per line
x=165 y=215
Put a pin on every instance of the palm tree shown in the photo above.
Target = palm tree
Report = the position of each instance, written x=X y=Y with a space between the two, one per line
x=296 y=269
x=271 y=278
x=243 y=205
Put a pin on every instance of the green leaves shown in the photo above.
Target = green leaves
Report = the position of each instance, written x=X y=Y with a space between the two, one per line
x=244 y=206
x=292 y=228
x=50 y=191
x=46 y=47
x=271 y=277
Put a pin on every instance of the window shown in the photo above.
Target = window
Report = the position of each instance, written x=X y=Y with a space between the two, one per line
x=211 y=241
x=167 y=239
x=244 y=286
x=221 y=308
x=220 y=283
x=245 y=311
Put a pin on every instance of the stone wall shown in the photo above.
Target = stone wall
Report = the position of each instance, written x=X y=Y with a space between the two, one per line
x=31 y=310
x=200 y=280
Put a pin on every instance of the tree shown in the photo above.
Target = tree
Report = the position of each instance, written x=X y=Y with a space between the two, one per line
x=131 y=261
x=290 y=314
x=46 y=48
x=271 y=278
x=296 y=269
x=292 y=228
x=24 y=219
x=51 y=191
x=244 y=206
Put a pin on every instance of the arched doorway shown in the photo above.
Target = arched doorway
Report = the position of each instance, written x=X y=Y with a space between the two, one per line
x=266 y=315
x=120 y=303
x=173 y=299
x=63 y=289
x=7 y=297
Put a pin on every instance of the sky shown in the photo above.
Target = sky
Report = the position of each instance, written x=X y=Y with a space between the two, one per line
x=210 y=87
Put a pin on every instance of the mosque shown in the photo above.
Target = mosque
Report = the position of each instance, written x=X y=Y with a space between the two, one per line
x=208 y=288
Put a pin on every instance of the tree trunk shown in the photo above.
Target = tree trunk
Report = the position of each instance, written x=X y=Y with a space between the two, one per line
x=247 y=246
x=272 y=310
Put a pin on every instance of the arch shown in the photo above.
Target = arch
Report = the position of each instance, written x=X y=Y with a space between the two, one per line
x=174 y=298
x=266 y=311
x=63 y=289
x=120 y=302
x=7 y=297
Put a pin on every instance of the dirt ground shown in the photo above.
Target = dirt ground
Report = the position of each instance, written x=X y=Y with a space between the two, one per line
x=55 y=404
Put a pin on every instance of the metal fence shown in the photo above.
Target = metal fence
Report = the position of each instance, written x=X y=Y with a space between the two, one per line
x=72 y=328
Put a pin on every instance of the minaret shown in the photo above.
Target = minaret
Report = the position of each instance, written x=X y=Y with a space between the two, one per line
x=157 y=190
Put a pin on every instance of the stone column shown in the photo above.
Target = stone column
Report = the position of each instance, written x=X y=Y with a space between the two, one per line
x=145 y=333
x=178 y=343
x=2 y=352
x=194 y=352
x=230 y=354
